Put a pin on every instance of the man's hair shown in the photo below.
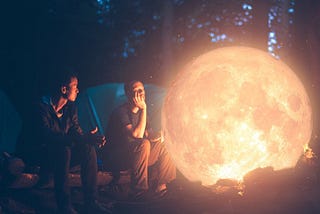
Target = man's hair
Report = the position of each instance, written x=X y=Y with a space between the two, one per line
x=65 y=78
x=128 y=86
x=61 y=79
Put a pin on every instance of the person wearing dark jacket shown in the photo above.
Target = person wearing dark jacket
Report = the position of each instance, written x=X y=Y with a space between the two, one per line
x=57 y=143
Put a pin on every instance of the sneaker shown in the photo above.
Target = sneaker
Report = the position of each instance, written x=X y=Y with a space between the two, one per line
x=160 y=194
x=160 y=188
x=96 y=207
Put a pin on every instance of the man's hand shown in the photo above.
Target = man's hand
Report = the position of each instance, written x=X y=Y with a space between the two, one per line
x=93 y=131
x=139 y=100
x=96 y=139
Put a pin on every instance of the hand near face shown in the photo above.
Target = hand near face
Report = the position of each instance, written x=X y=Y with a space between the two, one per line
x=139 y=100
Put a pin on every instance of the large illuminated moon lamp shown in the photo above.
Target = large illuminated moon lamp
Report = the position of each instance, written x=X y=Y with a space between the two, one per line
x=232 y=110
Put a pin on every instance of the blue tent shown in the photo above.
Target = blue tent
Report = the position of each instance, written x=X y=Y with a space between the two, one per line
x=95 y=104
x=10 y=124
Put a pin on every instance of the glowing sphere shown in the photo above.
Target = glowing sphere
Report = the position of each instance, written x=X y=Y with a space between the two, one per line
x=233 y=110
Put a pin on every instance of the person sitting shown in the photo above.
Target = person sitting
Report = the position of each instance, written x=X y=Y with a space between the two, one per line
x=56 y=142
x=129 y=139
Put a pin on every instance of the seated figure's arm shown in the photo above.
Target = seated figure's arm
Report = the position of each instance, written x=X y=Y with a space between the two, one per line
x=78 y=135
x=46 y=129
x=138 y=103
x=137 y=131
x=128 y=127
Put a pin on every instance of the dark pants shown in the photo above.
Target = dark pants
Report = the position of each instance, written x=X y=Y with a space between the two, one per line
x=154 y=156
x=60 y=159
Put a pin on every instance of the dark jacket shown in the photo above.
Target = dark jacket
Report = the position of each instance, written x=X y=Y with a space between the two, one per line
x=45 y=129
x=53 y=130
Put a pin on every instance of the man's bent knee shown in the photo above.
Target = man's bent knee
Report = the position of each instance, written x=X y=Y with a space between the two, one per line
x=142 y=145
x=145 y=145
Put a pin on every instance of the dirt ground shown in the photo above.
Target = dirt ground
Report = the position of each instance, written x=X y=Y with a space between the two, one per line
x=263 y=191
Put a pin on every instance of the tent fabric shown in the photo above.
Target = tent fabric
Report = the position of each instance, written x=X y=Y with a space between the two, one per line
x=96 y=104
x=10 y=124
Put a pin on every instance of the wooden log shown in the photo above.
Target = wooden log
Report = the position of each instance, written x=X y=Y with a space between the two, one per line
x=27 y=180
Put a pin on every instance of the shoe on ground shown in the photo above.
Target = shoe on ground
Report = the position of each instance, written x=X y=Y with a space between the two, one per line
x=160 y=188
x=160 y=194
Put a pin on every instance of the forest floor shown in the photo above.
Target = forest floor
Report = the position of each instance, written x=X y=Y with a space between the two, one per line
x=263 y=191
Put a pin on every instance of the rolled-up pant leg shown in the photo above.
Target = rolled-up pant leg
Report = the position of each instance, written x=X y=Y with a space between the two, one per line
x=145 y=154
x=162 y=164
x=139 y=164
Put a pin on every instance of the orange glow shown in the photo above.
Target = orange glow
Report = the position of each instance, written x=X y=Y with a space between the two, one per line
x=308 y=153
x=233 y=110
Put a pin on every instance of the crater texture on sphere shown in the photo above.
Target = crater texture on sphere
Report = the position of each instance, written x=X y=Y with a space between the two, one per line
x=233 y=110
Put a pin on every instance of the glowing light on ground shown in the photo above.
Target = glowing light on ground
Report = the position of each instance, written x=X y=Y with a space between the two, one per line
x=233 y=110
